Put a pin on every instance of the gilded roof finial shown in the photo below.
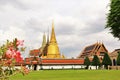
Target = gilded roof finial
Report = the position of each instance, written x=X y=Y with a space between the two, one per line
x=52 y=24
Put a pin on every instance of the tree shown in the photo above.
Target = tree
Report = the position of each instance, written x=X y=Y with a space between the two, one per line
x=113 y=18
x=118 y=59
x=106 y=60
x=87 y=62
x=96 y=61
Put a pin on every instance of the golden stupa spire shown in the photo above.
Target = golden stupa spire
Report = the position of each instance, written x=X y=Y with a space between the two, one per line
x=53 y=37
x=53 y=49
x=44 y=40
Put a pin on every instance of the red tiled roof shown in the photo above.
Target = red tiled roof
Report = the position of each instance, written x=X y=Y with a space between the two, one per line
x=27 y=59
x=62 y=61
x=19 y=63
x=53 y=61
x=32 y=59
x=27 y=62
x=35 y=52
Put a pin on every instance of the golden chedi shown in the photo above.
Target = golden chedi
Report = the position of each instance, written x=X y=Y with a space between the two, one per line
x=43 y=47
x=53 y=50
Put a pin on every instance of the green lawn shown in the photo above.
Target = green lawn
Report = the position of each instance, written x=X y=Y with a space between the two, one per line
x=70 y=75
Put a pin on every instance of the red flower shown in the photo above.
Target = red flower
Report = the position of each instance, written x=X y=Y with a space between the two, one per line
x=18 y=57
x=12 y=54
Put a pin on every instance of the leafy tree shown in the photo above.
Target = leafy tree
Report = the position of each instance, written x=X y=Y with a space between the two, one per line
x=96 y=61
x=118 y=59
x=113 y=18
x=87 y=62
x=106 y=60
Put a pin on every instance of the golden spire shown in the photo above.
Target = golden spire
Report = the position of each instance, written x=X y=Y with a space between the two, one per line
x=53 y=38
x=48 y=36
x=44 y=40
x=53 y=49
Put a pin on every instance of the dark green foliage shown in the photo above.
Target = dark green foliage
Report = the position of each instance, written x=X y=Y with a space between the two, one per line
x=118 y=59
x=113 y=18
x=87 y=62
x=106 y=60
x=96 y=61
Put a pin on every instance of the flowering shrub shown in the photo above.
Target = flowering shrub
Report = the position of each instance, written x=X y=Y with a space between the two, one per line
x=10 y=54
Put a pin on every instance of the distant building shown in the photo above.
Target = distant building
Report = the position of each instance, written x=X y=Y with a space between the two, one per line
x=35 y=52
x=95 y=49
x=113 y=55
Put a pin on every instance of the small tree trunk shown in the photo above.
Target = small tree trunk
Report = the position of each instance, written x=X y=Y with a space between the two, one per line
x=106 y=66
x=87 y=67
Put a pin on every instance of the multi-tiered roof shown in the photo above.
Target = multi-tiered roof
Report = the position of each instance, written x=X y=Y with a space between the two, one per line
x=94 y=49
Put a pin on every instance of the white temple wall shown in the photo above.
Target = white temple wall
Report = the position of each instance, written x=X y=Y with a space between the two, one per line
x=93 y=67
x=38 y=68
x=63 y=66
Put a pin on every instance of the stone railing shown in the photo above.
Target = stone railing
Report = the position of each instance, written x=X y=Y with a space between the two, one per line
x=114 y=67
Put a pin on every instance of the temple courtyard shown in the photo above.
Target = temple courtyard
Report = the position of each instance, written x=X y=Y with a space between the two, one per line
x=69 y=75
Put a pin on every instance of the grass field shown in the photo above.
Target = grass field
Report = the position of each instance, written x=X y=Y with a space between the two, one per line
x=70 y=75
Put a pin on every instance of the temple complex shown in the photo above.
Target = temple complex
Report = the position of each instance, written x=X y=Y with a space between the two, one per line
x=48 y=56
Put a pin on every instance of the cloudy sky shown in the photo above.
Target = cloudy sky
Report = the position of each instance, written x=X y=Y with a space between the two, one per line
x=78 y=23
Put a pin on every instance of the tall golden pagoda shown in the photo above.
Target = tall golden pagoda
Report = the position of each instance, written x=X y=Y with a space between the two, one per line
x=53 y=49
x=44 y=46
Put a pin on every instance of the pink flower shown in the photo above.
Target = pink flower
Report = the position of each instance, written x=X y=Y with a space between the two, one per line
x=12 y=54
x=9 y=54
x=20 y=42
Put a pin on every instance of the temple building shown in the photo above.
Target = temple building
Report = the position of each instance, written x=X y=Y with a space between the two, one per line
x=34 y=52
x=95 y=49
x=50 y=48
x=113 y=55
